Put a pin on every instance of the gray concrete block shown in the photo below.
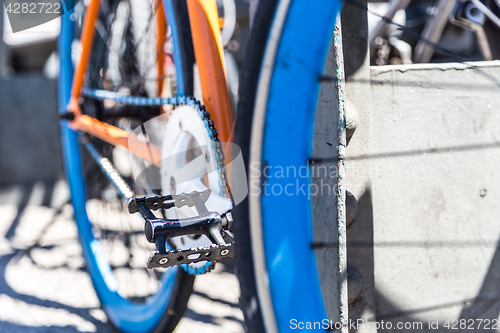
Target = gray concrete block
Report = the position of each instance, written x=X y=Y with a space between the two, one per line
x=432 y=151
x=29 y=130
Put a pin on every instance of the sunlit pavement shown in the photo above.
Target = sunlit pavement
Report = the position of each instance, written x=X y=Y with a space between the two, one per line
x=43 y=283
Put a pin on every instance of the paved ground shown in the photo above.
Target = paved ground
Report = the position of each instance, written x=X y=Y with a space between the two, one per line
x=44 y=288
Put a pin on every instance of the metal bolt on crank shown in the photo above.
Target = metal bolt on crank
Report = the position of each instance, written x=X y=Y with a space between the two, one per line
x=163 y=261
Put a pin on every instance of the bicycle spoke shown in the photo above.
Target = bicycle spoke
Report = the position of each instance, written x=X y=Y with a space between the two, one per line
x=148 y=25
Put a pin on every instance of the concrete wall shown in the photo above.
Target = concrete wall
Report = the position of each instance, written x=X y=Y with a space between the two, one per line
x=29 y=131
x=430 y=147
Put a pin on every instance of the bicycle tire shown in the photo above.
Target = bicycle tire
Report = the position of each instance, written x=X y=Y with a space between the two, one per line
x=277 y=268
x=162 y=311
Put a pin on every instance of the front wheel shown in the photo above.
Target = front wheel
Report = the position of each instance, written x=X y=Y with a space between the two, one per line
x=277 y=264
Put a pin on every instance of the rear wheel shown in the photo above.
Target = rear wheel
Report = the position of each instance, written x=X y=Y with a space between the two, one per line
x=124 y=59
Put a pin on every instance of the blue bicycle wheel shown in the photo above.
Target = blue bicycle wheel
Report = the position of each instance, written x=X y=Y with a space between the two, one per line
x=273 y=227
x=135 y=299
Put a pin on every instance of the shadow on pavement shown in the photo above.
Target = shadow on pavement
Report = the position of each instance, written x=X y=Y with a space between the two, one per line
x=43 y=283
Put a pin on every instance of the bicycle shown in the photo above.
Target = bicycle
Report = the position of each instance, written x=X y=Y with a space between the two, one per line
x=433 y=23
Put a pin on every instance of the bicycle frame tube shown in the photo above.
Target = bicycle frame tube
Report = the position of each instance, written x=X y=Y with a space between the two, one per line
x=118 y=137
x=209 y=56
x=87 y=38
x=161 y=25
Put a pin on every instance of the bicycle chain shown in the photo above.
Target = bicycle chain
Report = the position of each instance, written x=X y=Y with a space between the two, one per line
x=173 y=101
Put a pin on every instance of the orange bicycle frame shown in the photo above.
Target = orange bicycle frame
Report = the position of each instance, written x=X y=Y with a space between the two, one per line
x=209 y=57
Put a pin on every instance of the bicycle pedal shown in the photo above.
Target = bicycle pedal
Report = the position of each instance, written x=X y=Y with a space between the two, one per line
x=153 y=203
x=159 y=231
x=156 y=202
x=189 y=256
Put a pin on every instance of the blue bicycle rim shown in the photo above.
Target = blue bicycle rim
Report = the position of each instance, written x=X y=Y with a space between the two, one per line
x=124 y=314
x=287 y=142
